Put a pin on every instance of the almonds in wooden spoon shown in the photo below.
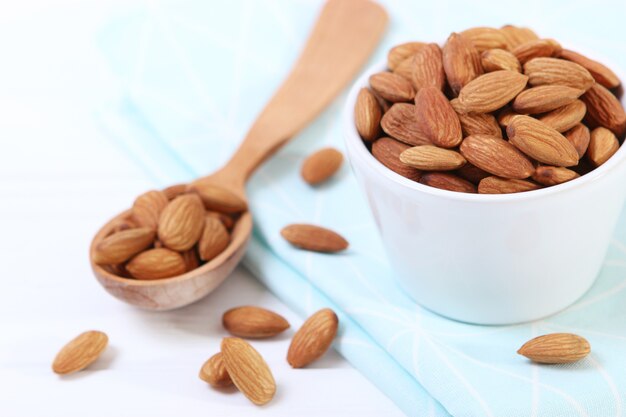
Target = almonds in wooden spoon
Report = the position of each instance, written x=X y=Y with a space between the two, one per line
x=80 y=352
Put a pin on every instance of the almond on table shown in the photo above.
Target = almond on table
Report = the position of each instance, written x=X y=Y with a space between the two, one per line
x=314 y=238
x=253 y=322
x=80 y=352
x=556 y=348
x=313 y=339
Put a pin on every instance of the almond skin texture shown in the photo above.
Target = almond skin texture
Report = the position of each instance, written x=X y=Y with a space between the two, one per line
x=214 y=239
x=367 y=114
x=496 y=156
x=400 y=122
x=491 y=91
x=313 y=339
x=497 y=185
x=545 y=98
x=314 y=238
x=80 y=352
x=181 y=222
x=253 y=322
x=147 y=208
x=484 y=38
x=392 y=87
x=476 y=123
x=603 y=75
x=541 y=142
x=554 y=71
x=399 y=53
x=556 y=348
x=218 y=198
x=226 y=220
x=547 y=175
x=387 y=151
x=446 y=181
x=248 y=370
x=174 y=191
x=321 y=166
x=566 y=117
x=534 y=49
x=461 y=62
x=602 y=146
x=191 y=259
x=505 y=116
x=471 y=173
x=579 y=136
x=428 y=68
x=432 y=158
x=214 y=372
x=604 y=109
x=515 y=36
x=121 y=246
x=436 y=118
x=156 y=264
x=499 y=59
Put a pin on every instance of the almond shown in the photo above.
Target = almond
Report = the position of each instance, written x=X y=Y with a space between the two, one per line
x=121 y=246
x=218 y=198
x=174 y=191
x=535 y=49
x=476 y=123
x=603 y=75
x=248 y=371
x=367 y=114
x=428 y=68
x=556 y=348
x=400 y=122
x=516 y=36
x=579 y=136
x=191 y=259
x=226 y=220
x=80 y=352
x=147 y=208
x=399 y=53
x=472 y=173
x=387 y=151
x=156 y=264
x=123 y=224
x=321 y=165
x=214 y=239
x=491 y=91
x=446 y=181
x=545 y=98
x=499 y=59
x=392 y=87
x=548 y=175
x=405 y=67
x=214 y=372
x=496 y=156
x=541 y=142
x=554 y=71
x=253 y=322
x=313 y=339
x=436 y=118
x=505 y=116
x=566 y=117
x=485 y=38
x=432 y=158
x=314 y=238
x=604 y=109
x=602 y=146
x=181 y=222
x=461 y=62
x=497 y=185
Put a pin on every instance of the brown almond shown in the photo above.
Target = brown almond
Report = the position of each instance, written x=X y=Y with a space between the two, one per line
x=490 y=92
x=214 y=372
x=80 y=352
x=399 y=53
x=321 y=165
x=461 y=62
x=436 y=118
x=156 y=264
x=446 y=181
x=174 y=191
x=392 y=87
x=516 y=36
x=387 y=151
x=428 y=68
x=485 y=38
x=147 y=208
x=248 y=370
x=579 y=136
x=313 y=339
x=505 y=116
x=556 y=348
x=604 y=109
x=497 y=185
x=471 y=173
x=121 y=246
x=191 y=259
x=545 y=98
x=535 y=49
x=215 y=197
x=314 y=238
x=602 y=146
x=123 y=224
x=214 y=239
x=602 y=74
x=253 y=322
x=566 y=117
x=476 y=123
x=541 y=142
x=400 y=122
x=499 y=59
x=405 y=67
x=432 y=158
x=226 y=220
x=554 y=71
x=496 y=156
x=367 y=115
x=181 y=222
x=548 y=175
x=557 y=47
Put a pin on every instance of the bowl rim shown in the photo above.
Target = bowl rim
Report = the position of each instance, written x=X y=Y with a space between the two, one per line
x=356 y=148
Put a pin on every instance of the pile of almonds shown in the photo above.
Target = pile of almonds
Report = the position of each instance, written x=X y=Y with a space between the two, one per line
x=492 y=111
x=170 y=232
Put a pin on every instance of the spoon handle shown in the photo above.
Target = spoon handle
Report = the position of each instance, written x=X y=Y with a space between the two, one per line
x=345 y=34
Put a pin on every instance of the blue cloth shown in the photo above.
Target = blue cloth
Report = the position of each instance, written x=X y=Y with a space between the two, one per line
x=194 y=74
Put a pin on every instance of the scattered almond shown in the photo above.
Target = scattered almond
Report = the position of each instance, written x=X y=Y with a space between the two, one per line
x=602 y=146
x=121 y=246
x=214 y=372
x=80 y=352
x=321 y=166
x=156 y=264
x=314 y=238
x=313 y=339
x=432 y=158
x=496 y=156
x=253 y=322
x=497 y=185
x=556 y=348
x=180 y=225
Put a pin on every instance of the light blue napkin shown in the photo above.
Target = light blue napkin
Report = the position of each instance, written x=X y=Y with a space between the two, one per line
x=196 y=73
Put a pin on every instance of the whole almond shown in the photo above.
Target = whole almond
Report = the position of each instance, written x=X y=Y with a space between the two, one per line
x=147 y=208
x=548 y=175
x=121 y=246
x=80 y=352
x=428 y=68
x=248 y=370
x=485 y=38
x=499 y=59
x=226 y=219
x=314 y=238
x=214 y=239
x=156 y=264
x=556 y=348
x=541 y=142
x=313 y=339
x=436 y=118
x=461 y=62
x=367 y=114
x=535 y=49
x=602 y=146
x=399 y=53
x=603 y=75
x=515 y=35
x=476 y=123
x=174 y=191
x=218 y=198
x=253 y=322
x=181 y=222
x=406 y=66
x=387 y=151
x=566 y=117
x=496 y=156
x=321 y=166
x=191 y=259
x=490 y=92
x=214 y=372
x=446 y=181
x=554 y=71
x=471 y=173
x=392 y=87
x=400 y=122
x=604 y=109
x=123 y=224
x=579 y=136
x=497 y=185
x=545 y=98
x=432 y=158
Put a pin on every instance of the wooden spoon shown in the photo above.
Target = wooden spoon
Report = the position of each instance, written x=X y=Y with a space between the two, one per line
x=343 y=37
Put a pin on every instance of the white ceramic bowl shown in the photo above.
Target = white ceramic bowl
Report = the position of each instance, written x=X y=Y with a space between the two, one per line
x=490 y=259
